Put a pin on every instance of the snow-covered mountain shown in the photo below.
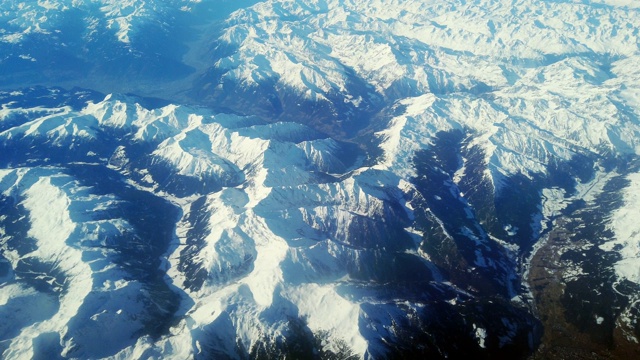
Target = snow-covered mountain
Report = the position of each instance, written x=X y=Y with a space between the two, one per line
x=319 y=179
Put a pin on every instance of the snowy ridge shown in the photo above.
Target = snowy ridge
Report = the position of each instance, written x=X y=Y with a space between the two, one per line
x=627 y=233
x=71 y=241
x=250 y=238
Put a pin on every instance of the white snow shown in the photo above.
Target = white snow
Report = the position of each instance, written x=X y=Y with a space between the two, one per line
x=624 y=223
x=481 y=335
x=326 y=310
x=72 y=242
x=52 y=227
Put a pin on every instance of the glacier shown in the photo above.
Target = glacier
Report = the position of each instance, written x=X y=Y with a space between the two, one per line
x=319 y=179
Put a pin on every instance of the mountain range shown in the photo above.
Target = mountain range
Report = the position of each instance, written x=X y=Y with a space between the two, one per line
x=319 y=179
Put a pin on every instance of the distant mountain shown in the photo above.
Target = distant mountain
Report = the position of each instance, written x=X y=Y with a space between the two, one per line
x=319 y=179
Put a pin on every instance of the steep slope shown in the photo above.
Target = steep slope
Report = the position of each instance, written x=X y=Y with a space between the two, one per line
x=90 y=278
